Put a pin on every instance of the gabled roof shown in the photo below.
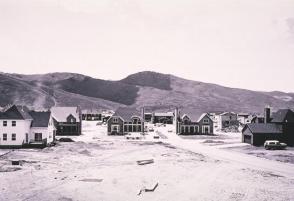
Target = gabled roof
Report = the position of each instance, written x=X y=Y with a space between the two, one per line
x=194 y=117
x=225 y=113
x=16 y=112
x=126 y=113
x=282 y=115
x=40 y=119
x=202 y=116
x=60 y=114
x=269 y=128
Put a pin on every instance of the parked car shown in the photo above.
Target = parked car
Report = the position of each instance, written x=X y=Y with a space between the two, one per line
x=156 y=136
x=151 y=129
x=133 y=136
x=274 y=144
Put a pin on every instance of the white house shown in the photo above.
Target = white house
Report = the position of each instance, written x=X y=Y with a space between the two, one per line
x=42 y=128
x=20 y=127
x=225 y=119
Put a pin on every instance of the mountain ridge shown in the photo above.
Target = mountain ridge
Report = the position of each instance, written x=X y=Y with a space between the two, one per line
x=155 y=90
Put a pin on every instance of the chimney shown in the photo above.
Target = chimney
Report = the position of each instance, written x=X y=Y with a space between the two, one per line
x=267 y=114
x=143 y=119
x=176 y=120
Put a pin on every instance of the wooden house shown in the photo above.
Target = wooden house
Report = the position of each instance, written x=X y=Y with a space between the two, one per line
x=125 y=120
x=42 y=128
x=190 y=124
x=226 y=120
x=162 y=117
x=67 y=120
x=279 y=126
x=20 y=127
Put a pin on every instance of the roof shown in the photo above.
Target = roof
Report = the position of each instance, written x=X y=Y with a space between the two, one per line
x=258 y=128
x=195 y=117
x=225 y=113
x=127 y=113
x=282 y=115
x=16 y=112
x=40 y=119
x=243 y=115
x=60 y=114
x=202 y=116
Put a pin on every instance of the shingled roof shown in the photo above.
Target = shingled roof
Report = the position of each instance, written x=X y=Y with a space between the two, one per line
x=261 y=128
x=16 y=112
x=127 y=112
x=40 y=119
x=282 y=115
x=60 y=114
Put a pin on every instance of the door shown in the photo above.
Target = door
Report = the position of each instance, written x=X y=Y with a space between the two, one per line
x=27 y=138
x=38 y=137
x=247 y=139
x=115 y=129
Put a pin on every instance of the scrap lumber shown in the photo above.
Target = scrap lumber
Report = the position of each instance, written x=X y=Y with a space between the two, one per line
x=145 y=162
x=148 y=190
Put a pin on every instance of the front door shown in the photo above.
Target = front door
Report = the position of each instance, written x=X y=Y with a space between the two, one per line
x=38 y=137
x=115 y=129
x=27 y=138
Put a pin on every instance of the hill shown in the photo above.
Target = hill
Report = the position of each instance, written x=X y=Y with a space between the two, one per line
x=155 y=90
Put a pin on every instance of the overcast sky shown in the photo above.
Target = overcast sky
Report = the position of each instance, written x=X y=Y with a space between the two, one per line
x=237 y=43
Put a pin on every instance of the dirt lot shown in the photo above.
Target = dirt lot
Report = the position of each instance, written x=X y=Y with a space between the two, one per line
x=98 y=167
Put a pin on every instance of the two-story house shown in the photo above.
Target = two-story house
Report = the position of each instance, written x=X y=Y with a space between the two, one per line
x=20 y=127
x=125 y=120
x=67 y=120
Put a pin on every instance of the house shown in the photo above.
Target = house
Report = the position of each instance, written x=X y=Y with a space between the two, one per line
x=278 y=126
x=42 y=128
x=148 y=116
x=243 y=118
x=92 y=115
x=125 y=120
x=226 y=120
x=257 y=133
x=67 y=120
x=190 y=124
x=162 y=117
x=20 y=127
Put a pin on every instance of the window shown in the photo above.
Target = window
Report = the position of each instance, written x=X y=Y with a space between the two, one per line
x=205 y=121
x=13 y=123
x=4 y=136
x=115 y=120
x=4 y=123
x=38 y=137
x=13 y=137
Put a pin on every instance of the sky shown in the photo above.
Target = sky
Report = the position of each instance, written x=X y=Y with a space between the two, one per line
x=236 y=43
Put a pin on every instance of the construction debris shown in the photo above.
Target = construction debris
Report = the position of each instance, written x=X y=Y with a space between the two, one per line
x=148 y=190
x=145 y=162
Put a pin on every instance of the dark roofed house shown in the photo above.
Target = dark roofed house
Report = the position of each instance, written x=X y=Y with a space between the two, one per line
x=125 y=120
x=42 y=128
x=20 y=127
x=67 y=120
x=278 y=126
x=257 y=133
x=193 y=124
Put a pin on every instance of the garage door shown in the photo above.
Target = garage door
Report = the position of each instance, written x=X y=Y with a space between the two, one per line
x=247 y=139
